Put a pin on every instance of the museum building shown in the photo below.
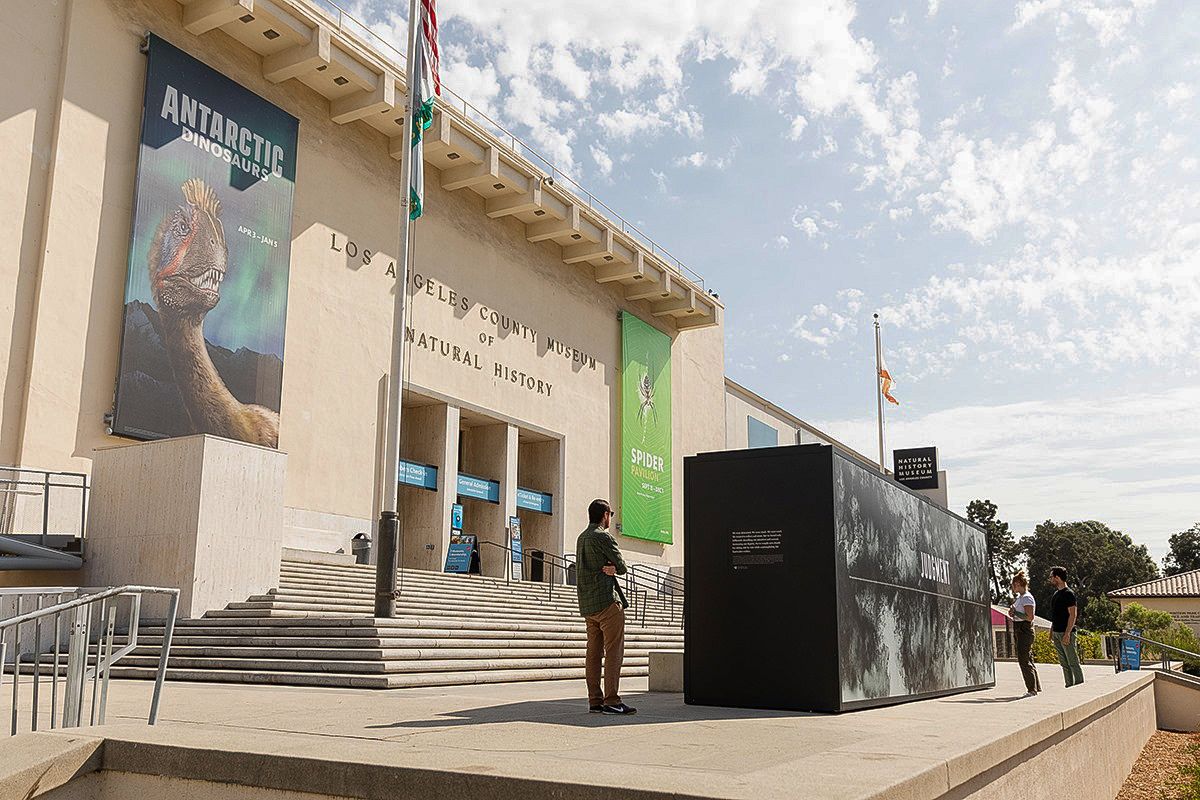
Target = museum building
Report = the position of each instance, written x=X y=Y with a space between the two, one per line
x=201 y=236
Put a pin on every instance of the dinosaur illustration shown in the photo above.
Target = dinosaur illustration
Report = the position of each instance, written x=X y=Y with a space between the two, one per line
x=187 y=263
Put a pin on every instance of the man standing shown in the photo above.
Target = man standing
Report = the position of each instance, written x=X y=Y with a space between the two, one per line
x=1063 y=612
x=597 y=562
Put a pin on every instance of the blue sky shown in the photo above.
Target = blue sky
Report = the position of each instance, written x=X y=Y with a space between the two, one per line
x=1013 y=186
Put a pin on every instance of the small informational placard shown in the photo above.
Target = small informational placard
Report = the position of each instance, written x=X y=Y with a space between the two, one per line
x=456 y=517
x=514 y=539
x=1130 y=656
x=458 y=556
x=916 y=468
x=756 y=548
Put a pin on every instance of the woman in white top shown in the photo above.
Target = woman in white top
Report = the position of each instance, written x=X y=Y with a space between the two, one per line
x=1022 y=613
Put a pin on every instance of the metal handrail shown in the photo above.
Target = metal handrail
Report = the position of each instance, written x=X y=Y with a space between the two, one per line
x=508 y=569
x=661 y=577
x=352 y=27
x=45 y=481
x=79 y=644
x=1163 y=649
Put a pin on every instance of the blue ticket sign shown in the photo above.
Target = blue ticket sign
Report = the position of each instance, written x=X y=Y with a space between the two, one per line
x=456 y=516
x=1130 y=656
x=478 y=488
x=458 y=556
x=535 y=501
x=423 y=476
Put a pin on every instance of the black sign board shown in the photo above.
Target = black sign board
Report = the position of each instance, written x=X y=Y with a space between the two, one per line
x=916 y=468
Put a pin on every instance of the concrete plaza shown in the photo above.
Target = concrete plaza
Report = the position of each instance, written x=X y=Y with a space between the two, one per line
x=536 y=740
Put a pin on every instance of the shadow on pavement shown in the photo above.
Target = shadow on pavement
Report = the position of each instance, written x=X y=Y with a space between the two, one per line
x=652 y=709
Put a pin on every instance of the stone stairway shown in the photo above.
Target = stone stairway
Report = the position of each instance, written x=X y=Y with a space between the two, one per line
x=316 y=629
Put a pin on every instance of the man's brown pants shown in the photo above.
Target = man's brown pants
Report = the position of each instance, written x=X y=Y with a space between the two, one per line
x=605 y=637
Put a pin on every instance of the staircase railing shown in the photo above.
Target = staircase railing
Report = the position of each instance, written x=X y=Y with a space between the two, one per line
x=74 y=620
x=552 y=560
x=1165 y=651
x=49 y=508
x=666 y=587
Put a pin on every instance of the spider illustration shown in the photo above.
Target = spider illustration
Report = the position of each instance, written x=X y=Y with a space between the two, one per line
x=646 y=392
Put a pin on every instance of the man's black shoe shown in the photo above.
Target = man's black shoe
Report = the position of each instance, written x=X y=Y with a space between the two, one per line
x=619 y=708
x=595 y=709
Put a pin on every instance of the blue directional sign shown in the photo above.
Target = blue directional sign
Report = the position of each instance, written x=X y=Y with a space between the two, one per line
x=535 y=501
x=423 y=476
x=478 y=488
x=458 y=556
x=1130 y=656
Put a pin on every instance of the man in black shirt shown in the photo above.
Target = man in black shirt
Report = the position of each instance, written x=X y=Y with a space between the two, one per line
x=1063 y=612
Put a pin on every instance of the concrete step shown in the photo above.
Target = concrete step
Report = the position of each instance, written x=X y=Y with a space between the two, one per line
x=376 y=653
x=366 y=667
x=243 y=620
x=430 y=581
x=432 y=608
x=417 y=642
x=345 y=680
x=411 y=605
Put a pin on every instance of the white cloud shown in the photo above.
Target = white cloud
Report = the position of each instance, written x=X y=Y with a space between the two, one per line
x=1177 y=95
x=780 y=242
x=604 y=163
x=1131 y=461
x=799 y=123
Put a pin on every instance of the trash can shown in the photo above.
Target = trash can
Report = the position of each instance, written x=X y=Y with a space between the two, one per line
x=360 y=548
x=537 y=566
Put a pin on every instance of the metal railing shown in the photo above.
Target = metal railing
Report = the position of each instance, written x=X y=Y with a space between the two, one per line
x=536 y=163
x=89 y=653
x=43 y=506
x=664 y=586
x=1164 y=651
x=655 y=584
x=551 y=560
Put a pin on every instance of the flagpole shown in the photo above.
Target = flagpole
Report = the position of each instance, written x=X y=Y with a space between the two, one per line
x=387 y=559
x=879 y=390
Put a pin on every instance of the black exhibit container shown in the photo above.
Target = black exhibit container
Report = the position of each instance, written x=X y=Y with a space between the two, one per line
x=817 y=584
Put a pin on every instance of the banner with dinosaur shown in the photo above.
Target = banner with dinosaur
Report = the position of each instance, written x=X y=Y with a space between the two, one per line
x=646 y=497
x=206 y=291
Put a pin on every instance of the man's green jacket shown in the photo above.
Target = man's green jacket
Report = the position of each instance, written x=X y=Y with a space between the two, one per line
x=595 y=549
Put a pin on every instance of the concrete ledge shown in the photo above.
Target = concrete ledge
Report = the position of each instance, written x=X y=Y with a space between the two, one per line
x=1177 y=702
x=666 y=671
x=33 y=764
x=537 y=742
x=295 y=554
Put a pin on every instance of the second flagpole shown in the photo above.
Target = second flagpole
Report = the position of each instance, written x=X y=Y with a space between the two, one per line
x=388 y=558
x=879 y=390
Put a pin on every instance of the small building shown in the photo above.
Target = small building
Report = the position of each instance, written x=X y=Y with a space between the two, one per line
x=1002 y=633
x=1178 y=595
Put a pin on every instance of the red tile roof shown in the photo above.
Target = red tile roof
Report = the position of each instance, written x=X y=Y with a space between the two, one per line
x=1185 y=584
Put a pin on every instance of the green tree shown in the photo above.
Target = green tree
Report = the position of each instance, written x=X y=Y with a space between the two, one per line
x=1002 y=547
x=1098 y=560
x=1158 y=626
x=1185 y=551
x=1137 y=616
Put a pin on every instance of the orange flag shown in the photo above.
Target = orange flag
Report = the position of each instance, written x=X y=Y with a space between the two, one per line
x=886 y=382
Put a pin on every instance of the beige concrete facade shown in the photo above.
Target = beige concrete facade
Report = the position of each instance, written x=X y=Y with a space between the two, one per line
x=743 y=405
x=520 y=281
x=196 y=512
